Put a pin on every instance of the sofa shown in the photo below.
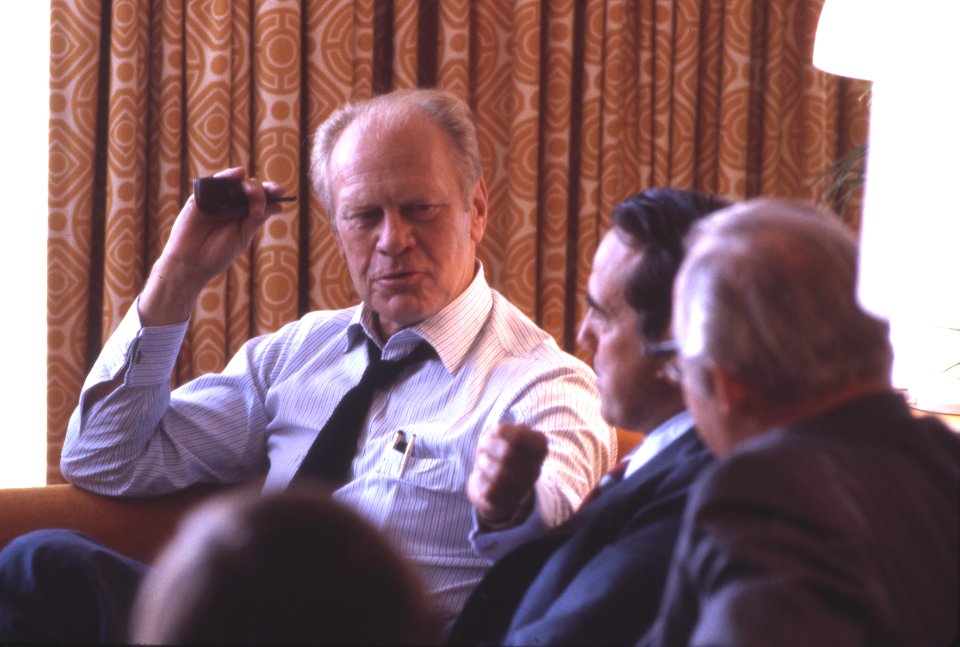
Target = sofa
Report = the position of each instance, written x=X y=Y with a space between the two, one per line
x=138 y=527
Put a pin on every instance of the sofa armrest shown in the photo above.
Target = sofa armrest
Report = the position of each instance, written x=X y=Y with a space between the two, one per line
x=137 y=527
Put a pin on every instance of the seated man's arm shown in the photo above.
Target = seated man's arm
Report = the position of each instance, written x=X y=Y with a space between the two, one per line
x=124 y=437
x=130 y=436
x=513 y=501
x=507 y=466
x=605 y=583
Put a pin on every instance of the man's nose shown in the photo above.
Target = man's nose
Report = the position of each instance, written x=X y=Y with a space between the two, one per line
x=396 y=233
x=585 y=337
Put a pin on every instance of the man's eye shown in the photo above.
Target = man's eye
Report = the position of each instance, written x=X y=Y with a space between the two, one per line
x=422 y=212
x=363 y=215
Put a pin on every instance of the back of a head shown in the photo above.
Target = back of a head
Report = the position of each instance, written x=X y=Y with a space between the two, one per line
x=447 y=111
x=286 y=568
x=769 y=295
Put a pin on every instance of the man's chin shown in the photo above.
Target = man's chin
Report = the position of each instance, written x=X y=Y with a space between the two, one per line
x=610 y=416
x=400 y=312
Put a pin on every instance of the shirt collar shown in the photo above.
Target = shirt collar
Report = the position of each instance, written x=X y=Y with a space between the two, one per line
x=657 y=440
x=451 y=332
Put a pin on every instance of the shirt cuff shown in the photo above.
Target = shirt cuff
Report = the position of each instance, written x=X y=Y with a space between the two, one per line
x=492 y=544
x=153 y=353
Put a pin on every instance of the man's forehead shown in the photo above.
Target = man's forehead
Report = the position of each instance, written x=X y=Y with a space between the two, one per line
x=391 y=163
x=386 y=125
x=379 y=139
x=614 y=260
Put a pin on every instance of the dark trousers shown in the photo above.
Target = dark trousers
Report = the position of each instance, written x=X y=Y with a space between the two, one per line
x=58 y=586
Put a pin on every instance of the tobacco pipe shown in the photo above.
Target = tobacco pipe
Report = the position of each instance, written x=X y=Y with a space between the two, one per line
x=224 y=196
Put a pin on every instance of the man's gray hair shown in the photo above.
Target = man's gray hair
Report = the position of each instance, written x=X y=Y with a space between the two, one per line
x=445 y=109
x=770 y=297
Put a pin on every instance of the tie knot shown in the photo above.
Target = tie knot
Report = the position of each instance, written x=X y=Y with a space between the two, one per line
x=384 y=371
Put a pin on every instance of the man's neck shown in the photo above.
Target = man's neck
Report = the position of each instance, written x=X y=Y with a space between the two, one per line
x=667 y=406
x=767 y=414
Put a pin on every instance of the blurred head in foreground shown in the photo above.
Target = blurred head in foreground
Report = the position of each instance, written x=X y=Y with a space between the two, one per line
x=281 y=568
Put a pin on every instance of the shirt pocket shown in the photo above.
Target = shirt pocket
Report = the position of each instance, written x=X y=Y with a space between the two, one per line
x=430 y=462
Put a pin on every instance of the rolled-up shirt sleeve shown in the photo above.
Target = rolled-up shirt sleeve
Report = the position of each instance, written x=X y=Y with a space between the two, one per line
x=128 y=440
x=563 y=402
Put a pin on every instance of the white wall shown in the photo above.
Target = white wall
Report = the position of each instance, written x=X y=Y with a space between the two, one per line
x=24 y=61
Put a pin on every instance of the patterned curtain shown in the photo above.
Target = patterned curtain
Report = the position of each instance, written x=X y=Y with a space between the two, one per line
x=579 y=103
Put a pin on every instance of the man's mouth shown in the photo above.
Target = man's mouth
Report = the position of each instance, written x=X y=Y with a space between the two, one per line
x=391 y=277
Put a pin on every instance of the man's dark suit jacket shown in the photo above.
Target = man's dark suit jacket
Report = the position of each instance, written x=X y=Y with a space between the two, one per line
x=841 y=530
x=596 y=579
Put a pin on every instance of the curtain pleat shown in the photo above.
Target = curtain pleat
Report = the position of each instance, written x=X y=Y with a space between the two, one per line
x=453 y=46
x=72 y=275
x=520 y=164
x=339 y=67
x=578 y=103
x=492 y=104
x=405 y=43
x=126 y=161
x=276 y=150
x=555 y=215
x=584 y=155
x=231 y=299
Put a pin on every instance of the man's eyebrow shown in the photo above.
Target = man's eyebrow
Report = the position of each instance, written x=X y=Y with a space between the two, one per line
x=591 y=302
x=421 y=199
x=356 y=207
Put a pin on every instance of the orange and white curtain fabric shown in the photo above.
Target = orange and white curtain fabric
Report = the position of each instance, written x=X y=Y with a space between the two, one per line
x=578 y=103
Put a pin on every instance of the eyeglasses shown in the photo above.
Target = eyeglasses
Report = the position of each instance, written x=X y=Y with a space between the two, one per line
x=666 y=351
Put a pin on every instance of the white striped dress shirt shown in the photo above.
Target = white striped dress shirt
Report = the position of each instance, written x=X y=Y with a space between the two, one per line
x=261 y=414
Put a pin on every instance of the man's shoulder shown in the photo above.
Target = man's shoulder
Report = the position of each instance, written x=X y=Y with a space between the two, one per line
x=520 y=337
x=814 y=453
x=319 y=320
x=341 y=317
x=776 y=461
x=793 y=473
x=301 y=335
x=515 y=330
x=687 y=456
x=676 y=468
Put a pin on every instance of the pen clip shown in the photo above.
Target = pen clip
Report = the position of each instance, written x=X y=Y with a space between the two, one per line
x=407 y=451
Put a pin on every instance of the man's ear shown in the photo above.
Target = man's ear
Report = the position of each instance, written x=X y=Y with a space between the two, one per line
x=336 y=236
x=478 y=204
x=730 y=392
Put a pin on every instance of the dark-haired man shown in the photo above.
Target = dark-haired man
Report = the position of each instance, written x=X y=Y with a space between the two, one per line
x=597 y=578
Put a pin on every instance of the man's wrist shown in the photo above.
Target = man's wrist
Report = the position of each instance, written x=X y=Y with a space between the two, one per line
x=168 y=296
x=520 y=514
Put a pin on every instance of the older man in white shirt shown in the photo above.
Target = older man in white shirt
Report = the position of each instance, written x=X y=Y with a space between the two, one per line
x=400 y=178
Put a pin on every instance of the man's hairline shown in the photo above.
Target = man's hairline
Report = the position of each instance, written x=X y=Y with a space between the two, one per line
x=405 y=111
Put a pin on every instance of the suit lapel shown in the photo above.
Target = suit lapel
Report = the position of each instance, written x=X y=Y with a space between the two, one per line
x=597 y=524
x=623 y=497
x=525 y=580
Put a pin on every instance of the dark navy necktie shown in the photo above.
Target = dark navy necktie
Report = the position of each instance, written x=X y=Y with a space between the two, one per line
x=332 y=452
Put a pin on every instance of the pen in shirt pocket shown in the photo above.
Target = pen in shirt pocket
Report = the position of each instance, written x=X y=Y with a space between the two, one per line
x=405 y=447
